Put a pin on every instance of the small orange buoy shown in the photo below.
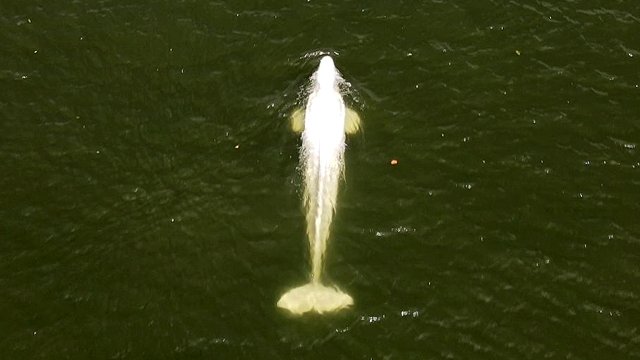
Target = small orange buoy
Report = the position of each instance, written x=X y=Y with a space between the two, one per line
x=394 y=162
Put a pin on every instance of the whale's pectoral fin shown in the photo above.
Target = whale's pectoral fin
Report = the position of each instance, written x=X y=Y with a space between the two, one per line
x=352 y=122
x=297 y=120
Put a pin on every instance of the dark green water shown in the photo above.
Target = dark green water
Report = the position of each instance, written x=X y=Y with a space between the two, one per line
x=150 y=204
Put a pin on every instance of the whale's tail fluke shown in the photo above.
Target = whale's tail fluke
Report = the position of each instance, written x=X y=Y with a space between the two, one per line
x=314 y=297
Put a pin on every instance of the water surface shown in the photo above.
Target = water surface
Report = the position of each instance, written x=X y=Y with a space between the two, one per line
x=150 y=202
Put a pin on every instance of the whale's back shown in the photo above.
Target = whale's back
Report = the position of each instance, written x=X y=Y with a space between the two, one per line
x=322 y=164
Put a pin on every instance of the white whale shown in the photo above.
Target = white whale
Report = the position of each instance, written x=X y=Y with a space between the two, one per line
x=323 y=123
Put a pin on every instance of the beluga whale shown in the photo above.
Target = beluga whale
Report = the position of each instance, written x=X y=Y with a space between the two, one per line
x=323 y=122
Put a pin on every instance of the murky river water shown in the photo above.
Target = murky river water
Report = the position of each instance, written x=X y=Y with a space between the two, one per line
x=150 y=203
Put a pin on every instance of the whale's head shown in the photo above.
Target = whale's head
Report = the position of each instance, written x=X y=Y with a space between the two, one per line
x=327 y=74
